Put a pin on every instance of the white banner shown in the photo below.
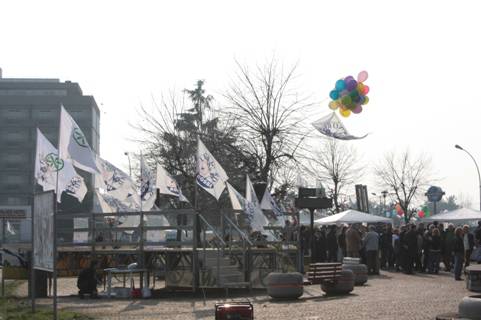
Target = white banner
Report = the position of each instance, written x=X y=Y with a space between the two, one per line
x=210 y=175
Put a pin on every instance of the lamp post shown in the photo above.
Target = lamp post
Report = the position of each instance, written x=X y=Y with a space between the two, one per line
x=384 y=194
x=477 y=168
x=130 y=167
x=380 y=208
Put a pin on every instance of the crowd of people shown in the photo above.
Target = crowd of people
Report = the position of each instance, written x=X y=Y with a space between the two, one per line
x=410 y=248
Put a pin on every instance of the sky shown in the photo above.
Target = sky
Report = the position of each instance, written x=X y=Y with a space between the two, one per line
x=423 y=59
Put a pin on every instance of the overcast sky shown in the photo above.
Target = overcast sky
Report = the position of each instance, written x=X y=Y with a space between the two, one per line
x=423 y=58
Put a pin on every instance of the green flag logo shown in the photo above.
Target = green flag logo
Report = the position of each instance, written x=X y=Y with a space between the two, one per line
x=54 y=162
x=79 y=137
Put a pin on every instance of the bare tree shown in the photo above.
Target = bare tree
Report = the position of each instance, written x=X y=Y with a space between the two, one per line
x=336 y=165
x=267 y=106
x=406 y=176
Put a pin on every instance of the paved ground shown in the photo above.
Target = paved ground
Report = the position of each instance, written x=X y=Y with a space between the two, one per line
x=388 y=296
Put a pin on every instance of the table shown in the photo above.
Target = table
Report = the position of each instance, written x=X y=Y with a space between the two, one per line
x=129 y=272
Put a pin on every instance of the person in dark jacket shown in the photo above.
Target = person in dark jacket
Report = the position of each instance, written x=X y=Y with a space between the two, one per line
x=87 y=281
x=434 y=240
x=477 y=234
x=386 y=247
x=458 y=250
x=468 y=242
x=411 y=244
x=341 y=241
x=332 y=244
x=396 y=244
x=319 y=254
x=448 y=247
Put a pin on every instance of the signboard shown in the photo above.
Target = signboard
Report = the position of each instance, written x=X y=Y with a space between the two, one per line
x=14 y=213
x=313 y=203
x=43 y=231
x=361 y=198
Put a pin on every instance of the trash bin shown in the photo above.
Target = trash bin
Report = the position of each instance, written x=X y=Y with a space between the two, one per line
x=473 y=278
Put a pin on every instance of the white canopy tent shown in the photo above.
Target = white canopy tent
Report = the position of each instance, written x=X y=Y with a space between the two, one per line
x=462 y=214
x=352 y=216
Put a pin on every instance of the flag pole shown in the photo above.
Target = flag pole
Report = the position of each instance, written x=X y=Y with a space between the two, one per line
x=54 y=226
x=141 y=224
x=32 y=256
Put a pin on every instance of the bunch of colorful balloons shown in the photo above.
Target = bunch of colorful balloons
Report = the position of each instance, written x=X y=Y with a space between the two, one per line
x=424 y=212
x=350 y=95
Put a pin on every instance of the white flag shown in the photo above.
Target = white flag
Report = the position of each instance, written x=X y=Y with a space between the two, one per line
x=331 y=126
x=254 y=214
x=73 y=145
x=268 y=203
x=108 y=204
x=167 y=185
x=210 y=175
x=114 y=181
x=48 y=164
x=147 y=189
x=251 y=193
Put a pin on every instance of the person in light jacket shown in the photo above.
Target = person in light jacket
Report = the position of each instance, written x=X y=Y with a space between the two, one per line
x=371 y=245
x=353 y=242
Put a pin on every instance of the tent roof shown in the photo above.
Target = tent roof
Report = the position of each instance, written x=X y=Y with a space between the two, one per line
x=352 y=216
x=456 y=215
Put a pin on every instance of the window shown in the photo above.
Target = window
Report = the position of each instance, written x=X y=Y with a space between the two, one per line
x=45 y=114
x=15 y=114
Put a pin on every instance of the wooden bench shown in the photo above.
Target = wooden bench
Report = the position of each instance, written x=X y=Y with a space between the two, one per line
x=324 y=272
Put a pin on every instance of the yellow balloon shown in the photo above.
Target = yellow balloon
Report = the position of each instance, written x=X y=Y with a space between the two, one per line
x=333 y=105
x=360 y=86
x=345 y=112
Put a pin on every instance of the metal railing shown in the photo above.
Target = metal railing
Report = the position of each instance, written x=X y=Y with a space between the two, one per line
x=245 y=245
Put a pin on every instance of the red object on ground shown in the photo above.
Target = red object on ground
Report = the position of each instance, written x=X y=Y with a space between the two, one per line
x=136 y=293
x=234 y=311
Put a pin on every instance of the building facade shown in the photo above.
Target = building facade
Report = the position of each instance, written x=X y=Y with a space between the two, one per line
x=26 y=104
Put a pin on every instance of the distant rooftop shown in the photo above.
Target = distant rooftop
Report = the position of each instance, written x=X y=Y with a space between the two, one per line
x=16 y=80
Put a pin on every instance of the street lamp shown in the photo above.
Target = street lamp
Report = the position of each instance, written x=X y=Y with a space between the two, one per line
x=477 y=168
x=380 y=207
x=130 y=168
x=384 y=194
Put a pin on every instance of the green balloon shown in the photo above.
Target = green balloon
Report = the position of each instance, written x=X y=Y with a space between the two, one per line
x=346 y=100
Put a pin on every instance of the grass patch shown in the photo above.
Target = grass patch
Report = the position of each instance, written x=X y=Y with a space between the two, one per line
x=14 y=308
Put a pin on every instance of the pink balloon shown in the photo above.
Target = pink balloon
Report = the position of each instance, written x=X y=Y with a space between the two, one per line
x=362 y=76
x=365 y=90
x=357 y=109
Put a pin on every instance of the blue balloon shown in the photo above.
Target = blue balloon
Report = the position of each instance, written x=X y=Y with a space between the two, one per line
x=340 y=85
x=334 y=94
